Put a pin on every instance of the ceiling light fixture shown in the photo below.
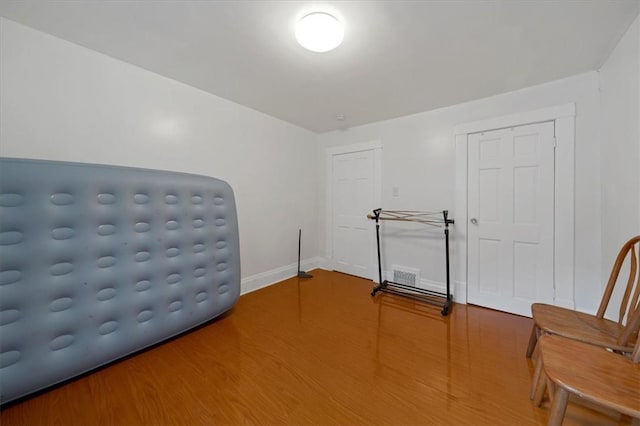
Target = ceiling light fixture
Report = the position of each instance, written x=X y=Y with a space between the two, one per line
x=319 y=32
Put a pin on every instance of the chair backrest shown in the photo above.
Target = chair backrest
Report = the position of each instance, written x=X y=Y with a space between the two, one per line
x=635 y=326
x=629 y=303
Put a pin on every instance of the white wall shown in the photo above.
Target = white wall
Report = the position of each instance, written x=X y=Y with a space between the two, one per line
x=64 y=102
x=61 y=101
x=620 y=151
x=419 y=158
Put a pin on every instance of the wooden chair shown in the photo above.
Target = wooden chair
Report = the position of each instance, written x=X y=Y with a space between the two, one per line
x=595 y=329
x=593 y=373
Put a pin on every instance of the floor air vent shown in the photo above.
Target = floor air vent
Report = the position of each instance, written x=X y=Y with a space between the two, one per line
x=406 y=276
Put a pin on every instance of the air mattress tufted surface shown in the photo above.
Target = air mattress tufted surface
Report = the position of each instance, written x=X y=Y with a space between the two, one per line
x=97 y=262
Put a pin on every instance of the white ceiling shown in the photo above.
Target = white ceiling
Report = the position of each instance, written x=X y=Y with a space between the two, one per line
x=398 y=57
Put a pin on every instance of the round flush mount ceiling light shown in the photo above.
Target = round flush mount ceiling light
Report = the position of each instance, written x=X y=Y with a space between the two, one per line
x=319 y=32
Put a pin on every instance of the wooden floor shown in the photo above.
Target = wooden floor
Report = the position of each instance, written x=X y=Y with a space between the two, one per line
x=317 y=351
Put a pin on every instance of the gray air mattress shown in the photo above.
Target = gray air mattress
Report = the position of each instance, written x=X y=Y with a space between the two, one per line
x=97 y=262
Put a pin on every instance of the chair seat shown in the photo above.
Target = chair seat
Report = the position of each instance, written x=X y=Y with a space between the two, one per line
x=579 y=326
x=580 y=369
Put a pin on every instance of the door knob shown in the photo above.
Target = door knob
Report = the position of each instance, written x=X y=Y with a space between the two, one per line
x=474 y=220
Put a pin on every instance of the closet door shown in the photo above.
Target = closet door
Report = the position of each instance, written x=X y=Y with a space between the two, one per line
x=353 y=186
x=511 y=229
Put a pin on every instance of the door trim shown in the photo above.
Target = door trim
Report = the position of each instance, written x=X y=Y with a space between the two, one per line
x=376 y=147
x=564 y=118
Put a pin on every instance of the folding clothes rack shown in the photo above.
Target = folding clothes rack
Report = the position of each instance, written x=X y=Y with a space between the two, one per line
x=438 y=219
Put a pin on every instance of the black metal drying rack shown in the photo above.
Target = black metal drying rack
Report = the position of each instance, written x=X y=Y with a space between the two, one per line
x=437 y=219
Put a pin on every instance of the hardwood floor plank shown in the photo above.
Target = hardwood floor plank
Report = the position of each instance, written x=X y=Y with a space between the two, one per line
x=317 y=351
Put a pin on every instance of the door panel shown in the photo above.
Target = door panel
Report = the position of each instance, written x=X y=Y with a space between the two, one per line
x=489 y=252
x=353 y=188
x=511 y=197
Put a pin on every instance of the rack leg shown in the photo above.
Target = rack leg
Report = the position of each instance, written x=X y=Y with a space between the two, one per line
x=379 y=287
x=381 y=284
x=446 y=307
x=447 y=304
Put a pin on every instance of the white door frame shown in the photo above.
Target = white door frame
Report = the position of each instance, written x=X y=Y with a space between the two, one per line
x=564 y=118
x=376 y=147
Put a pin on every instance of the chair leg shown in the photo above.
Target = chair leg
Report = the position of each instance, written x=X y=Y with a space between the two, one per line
x=536 y=378
x=551 y=387
x=533 y=340
x=541 y=387
x=559 y=407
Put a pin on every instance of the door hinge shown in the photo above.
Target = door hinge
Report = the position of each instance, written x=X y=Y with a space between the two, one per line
x=555 y=142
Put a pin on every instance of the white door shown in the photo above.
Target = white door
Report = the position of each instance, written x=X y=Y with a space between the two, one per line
x=511 y=207
x=353 y=189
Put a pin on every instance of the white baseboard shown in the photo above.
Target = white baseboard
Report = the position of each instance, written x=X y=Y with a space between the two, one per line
x=460 y=292
x=323 y=263
x=267 y=278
